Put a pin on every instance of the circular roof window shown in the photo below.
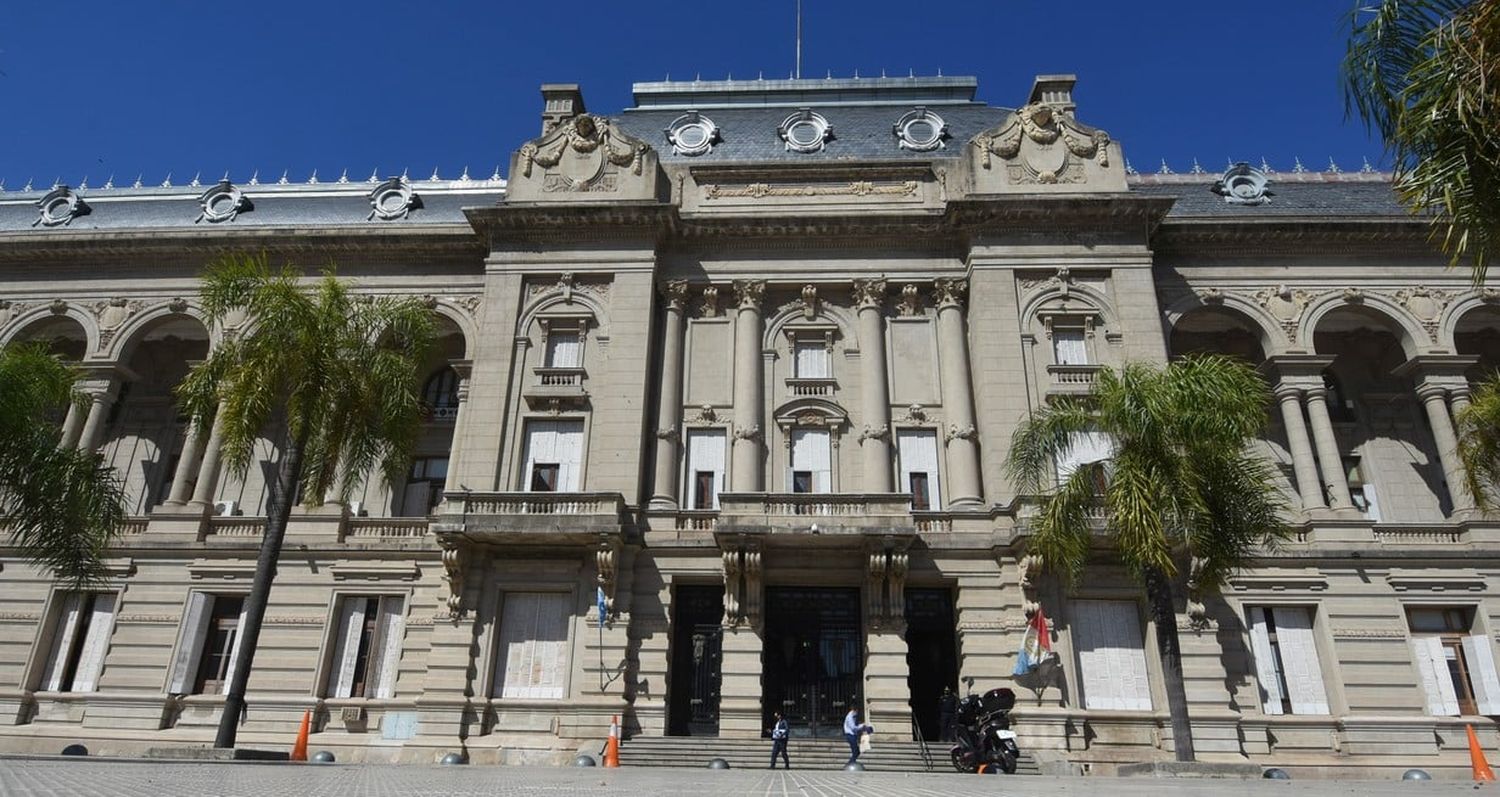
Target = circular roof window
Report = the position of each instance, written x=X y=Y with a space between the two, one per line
x=222 y=203
x=920 y=130
x=1243 y=185
x=692 y=134
x=393 y=199
x=59 y=207
x=805 y=131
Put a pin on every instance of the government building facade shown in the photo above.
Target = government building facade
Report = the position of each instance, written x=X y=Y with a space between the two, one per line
x=718 y=427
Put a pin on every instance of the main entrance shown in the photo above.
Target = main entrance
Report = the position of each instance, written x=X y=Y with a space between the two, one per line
x=931 y=655
x=697 y=656
x=813 y=661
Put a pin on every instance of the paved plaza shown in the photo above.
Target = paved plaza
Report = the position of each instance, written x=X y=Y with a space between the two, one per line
x=78 y=778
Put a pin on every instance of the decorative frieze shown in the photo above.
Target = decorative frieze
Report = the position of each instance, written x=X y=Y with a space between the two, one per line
x=855 y=188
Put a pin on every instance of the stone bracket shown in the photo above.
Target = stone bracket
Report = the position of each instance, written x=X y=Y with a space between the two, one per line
x=744 y=583
x=885 y=586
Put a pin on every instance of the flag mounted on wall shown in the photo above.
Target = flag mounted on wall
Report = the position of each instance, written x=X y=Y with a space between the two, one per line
x=1036 y=644
x=603 y=606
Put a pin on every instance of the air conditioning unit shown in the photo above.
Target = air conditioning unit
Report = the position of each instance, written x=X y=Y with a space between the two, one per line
x=227 y=508
x=357 y=509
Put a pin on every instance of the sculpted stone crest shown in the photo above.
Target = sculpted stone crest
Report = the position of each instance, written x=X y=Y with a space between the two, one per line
x=584 y=153
x=1043 y=145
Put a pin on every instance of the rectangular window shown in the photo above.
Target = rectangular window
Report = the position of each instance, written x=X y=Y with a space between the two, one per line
x=1069 y=347
x=1111 y=655
x=812 y=359
x=532 y=660
x=1086 y=448
x=916 y=450
x=1456 y=666
x=367 y=648
x=705 y=466
x=812 y=466
x=80 y=638
x=207 y=645
x=424 y=486
x=554 y=456
x=1361 y=491
x=564 y=348
x=1286 y=661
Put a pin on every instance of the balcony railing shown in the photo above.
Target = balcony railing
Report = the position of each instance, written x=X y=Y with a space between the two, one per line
x=442 y=414
x=559 y=377
x=1073 y=378
x=373 y=529
x=516 y=503
x=810 y=386
x=555 y=384
x=815 y=513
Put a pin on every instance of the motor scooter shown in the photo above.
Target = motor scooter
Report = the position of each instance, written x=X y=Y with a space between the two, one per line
x=982 y=734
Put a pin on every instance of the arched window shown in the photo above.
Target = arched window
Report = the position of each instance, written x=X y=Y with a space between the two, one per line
x=440 y=394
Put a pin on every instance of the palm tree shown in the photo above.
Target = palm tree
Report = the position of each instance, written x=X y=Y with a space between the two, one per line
x=1479 y=442
x=61 y=507
x=1180 y=483
x=340 y=371
x=1425 y=74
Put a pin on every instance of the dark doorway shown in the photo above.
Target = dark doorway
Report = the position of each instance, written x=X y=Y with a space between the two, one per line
x=697 y=653
x=931 y=654
x=813 y=658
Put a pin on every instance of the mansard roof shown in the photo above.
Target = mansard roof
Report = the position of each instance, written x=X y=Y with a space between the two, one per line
x=1319 y=195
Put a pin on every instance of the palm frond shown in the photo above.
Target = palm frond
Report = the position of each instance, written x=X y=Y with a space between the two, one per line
x=1479 y=443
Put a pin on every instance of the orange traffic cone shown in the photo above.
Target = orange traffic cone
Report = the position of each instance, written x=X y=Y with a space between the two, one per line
x=612 y=747
x=1480 y=766
x=299 y=750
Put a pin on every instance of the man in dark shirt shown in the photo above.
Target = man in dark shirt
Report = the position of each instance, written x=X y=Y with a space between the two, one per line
x=779 y=733
x=947 y=714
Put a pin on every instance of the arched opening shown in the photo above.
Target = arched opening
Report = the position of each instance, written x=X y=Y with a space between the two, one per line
x=1477 y=334
x=60 y=334
x=1385 y=442
x=144 y=431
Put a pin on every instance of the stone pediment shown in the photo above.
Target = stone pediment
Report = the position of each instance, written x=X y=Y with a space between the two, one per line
x=1041 y=147
x=584 y=158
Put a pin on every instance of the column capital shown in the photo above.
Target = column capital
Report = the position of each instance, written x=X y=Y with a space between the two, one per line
x=462 y=367
x=748 y=294
x=950 y=291
x=1428 y=391
x=1446 y=367
x=676 y=292
x=1296 y=368
x=1285 y=391
x=869 y=294
x=1316 y=393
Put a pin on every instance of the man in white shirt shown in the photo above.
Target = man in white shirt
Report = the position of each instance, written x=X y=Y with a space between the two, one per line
x=779 y=733
x=853 y=729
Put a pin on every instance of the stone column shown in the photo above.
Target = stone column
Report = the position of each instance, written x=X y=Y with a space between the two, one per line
x=875 y=438
x=669 y=403
x=208 y=470
x=1435 y=399
x=1459 y=399
x=463 y=368
x=1303 y=464
x=1329 y=459
x=958 y=399
x=187 y=464
x=72 y=426
x=749 y=376
x=101 y=393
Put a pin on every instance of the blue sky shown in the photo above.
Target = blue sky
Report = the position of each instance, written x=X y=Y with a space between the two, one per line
x=146 y=87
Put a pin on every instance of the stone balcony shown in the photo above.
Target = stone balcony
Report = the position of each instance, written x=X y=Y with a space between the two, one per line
x=555 y=384
x=814 y=387
x=1069 y=380
x=532 y=517
x=834 y=518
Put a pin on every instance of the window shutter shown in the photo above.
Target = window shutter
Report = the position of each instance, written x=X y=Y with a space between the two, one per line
x=346 y=648
x=1482 y=676
x=706 y=452
x=1069 y=347
x=1083 y=448
x=1132 y=651
x=64 y=637
x=1096 y=659
x=1265 y=662
x=387 y=655
x=917 y=450
x=541 y=443
x=190 y=643
x=414 y=499
x=810 y=453
x=563 y=349
x=95 y=643
x=812 y=360
x=1299 y=655
x=570 y=454
x=533 y=642
x=234 y=653
x=1373 y=513
x=1432 y=666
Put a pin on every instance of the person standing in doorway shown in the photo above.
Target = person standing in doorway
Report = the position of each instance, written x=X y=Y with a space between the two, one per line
x=853 y=729
x=779 y=732
x=947 y=714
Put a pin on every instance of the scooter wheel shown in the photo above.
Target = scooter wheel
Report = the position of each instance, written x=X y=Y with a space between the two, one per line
x=1007 y=764
x=958 y=762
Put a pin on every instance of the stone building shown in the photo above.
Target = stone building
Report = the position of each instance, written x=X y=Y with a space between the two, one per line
x=741 y=364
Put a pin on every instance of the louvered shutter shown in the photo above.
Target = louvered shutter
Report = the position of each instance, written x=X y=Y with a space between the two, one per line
x=1132 y=651
x=387 y=655
x=1095 y=657
x=563 y=349
x=234 y=653
x=917 y=450
x=64 y=637
x=1482 y=676
x=810 y=453
x=533 y=639
x=190 y=643
x=812 y=360
x=570 y=456
x=95 y=643
x=346 y=649
x=1112 y=656
x=706 y=452
x=1265 y=662
x=1432 y=667
x=1299 y=655
x=541 y=446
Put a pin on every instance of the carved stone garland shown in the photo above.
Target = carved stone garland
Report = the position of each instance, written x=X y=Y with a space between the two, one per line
x=1043 y=126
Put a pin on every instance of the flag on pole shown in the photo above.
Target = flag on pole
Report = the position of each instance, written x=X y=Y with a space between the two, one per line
x=603 y=607
x=1036 y=644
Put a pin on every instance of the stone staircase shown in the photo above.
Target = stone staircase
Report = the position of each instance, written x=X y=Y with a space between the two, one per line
x=886 y=755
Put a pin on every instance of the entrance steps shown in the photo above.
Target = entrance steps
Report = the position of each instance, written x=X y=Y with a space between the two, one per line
x=886 y=755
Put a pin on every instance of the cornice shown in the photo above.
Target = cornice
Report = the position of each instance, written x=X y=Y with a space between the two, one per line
x=1296 y=235
x=571 y=221
x=454 y=239
x=981 y=213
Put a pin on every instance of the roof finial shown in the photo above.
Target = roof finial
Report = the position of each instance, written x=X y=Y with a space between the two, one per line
x=1367 y=168
x=1333 y=168
x=2 y=185
x=404 y=173
x=167 y=183
x=282 y=179
x=27 y=187
x=196 y=183
x=856 y=73
x=344 y=178
x=1165 y=169
x=495 y=178
x=137 y=183
x=1196 y=168
x=1265 y=166
x=1297 y=167
x=313 y=178
x=225 y=178
x=882 y=71
x=84 y=183
x=464 y=176
x=255 y=177
x=1130 y=169
x=110 y=183
x=374 y=176
x=434 y=178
